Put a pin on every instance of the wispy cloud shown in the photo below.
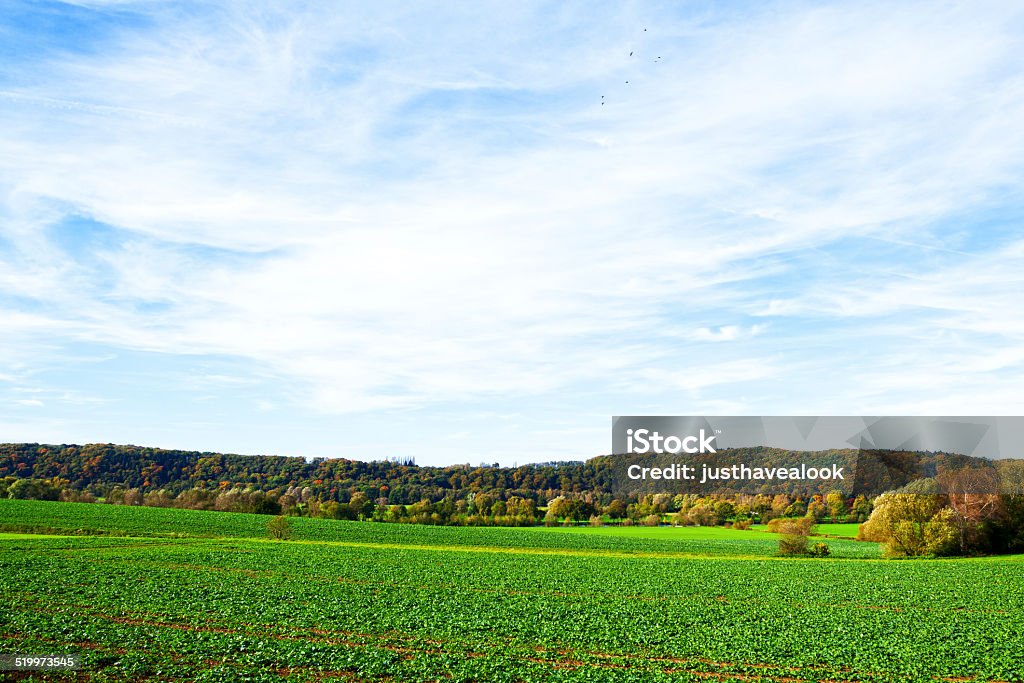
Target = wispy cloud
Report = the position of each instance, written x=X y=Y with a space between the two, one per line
x=32 y=402
x=401 y=208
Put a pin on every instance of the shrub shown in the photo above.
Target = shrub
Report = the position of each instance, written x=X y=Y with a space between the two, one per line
x=652 y=520
x=793 y=534
x=73 y=496
x=820 y=550
x=792 y=544
x=741 y=524
x=280 y=528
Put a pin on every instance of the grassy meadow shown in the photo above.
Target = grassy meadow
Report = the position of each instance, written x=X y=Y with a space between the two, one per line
x=176 y=595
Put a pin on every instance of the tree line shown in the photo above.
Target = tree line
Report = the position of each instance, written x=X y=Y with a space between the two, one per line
x=97 y=468
x=970 y=511
x=967 y=506
x=471 y=509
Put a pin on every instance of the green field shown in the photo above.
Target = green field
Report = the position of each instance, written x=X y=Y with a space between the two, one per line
x=838 y=530
x=205 y=596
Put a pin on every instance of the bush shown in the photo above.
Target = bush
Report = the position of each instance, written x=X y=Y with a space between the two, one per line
x=280 y=528
x=73 y=496
x=793 y=534
x=652 y=520
x=820 y=550
x=792 y=544
x=741 y=524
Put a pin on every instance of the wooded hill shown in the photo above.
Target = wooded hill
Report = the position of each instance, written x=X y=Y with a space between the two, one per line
x=96 y=468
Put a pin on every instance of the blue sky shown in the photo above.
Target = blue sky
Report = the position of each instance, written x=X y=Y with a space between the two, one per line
x=411 y=229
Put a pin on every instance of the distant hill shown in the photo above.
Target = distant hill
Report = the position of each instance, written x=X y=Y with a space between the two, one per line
x=98 y=467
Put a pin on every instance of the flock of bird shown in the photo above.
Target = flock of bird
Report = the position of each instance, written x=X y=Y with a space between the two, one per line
x=655 y=60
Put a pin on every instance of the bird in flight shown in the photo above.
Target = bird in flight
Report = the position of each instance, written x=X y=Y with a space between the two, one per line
x=627 y=82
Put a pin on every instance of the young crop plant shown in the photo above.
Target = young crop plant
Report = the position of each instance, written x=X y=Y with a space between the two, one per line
x=360 y=601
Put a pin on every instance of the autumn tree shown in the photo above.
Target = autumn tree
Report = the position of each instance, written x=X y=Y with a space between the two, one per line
x=361 y=505
x=836 y=503
x=816 y=510
x=280 y=528
x=616 y=509
x=899 y=521
x=973 y=495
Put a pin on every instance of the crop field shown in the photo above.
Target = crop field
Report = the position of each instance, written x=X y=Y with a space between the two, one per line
x=205 y=596
x=18 y=515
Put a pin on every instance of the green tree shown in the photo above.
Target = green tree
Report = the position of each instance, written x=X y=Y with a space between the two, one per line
x=616 y=509
x=33 y=489
x=861 y=509
x=724 y=510
x=797 y=508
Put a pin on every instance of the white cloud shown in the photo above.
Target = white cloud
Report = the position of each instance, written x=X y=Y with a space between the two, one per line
x=417 y=207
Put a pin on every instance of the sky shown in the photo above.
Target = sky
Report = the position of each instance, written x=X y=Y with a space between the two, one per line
x=474 y=232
